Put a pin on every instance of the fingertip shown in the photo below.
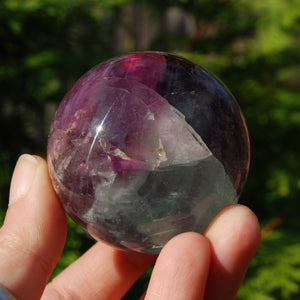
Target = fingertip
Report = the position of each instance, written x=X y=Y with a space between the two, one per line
x=22 y=178
x=188 y=242
x=234 y=236
x=187 y=248
x=181 y=269
x=251 y=229
x=236 y=222
x=33 y=201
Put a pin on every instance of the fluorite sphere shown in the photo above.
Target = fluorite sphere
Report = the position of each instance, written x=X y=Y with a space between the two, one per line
x=145 y=146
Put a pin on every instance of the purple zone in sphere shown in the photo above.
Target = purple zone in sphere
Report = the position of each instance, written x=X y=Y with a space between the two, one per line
x=146 y=146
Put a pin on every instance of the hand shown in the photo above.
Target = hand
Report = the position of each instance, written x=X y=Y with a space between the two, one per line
x=190 y=266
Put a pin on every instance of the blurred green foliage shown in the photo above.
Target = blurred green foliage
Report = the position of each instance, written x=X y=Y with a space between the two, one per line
x=253 y=45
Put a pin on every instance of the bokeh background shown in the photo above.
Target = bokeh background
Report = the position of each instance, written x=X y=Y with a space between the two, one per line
x=252 y=45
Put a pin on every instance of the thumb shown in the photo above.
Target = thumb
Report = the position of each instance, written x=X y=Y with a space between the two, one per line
x=34 y=230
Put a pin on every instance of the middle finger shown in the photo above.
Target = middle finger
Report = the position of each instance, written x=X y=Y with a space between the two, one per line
x=102 y=273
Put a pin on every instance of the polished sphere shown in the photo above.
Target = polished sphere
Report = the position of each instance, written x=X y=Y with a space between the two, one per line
x=145 y=146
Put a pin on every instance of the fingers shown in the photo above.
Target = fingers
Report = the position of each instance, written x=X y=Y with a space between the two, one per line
x=101 y=273
x=191 y=265
x=234 y=236
x=181 y=269
x=188 y=269
x=34 y=230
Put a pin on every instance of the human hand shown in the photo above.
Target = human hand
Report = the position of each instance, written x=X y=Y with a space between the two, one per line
x=211 y=265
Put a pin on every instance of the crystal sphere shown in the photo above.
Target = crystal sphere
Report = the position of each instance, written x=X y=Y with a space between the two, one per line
x=145 y=146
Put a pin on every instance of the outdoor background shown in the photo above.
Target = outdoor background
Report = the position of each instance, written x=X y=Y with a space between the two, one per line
x=252 y=45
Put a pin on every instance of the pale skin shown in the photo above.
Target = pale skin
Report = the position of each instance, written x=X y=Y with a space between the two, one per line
x=208 y=266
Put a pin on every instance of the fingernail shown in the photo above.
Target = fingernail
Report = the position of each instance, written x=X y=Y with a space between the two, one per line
x=22 y=177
